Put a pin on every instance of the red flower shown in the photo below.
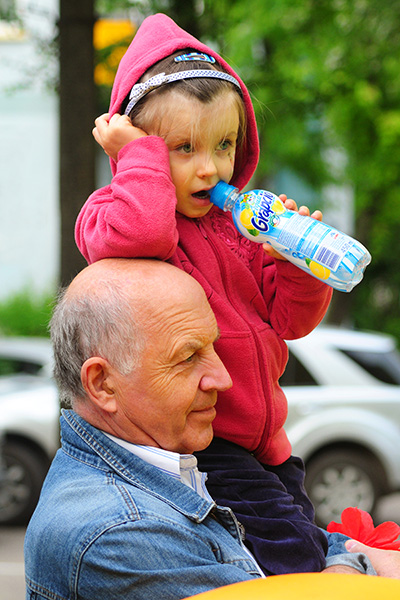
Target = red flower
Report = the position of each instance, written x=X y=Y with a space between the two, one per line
x=358 y=525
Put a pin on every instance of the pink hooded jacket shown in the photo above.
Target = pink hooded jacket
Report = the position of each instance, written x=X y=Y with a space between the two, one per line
x=258 y=302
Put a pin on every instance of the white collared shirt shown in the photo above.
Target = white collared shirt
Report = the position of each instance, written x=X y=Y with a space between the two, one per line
x=180 y=466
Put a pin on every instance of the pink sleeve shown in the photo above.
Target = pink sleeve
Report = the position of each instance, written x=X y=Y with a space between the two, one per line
x=134 y=216
x=297 y=301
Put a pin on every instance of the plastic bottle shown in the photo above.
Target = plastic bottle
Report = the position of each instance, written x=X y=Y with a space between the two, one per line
x=320 y=250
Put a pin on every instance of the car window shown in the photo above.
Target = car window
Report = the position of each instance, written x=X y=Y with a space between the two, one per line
x=296 y=373
x=385 y=366
x=9 y=366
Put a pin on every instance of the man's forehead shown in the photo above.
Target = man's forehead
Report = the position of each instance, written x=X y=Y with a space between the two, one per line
x=199 y=339
x=185 y=324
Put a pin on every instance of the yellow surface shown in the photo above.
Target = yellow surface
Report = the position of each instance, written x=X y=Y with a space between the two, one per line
x=309 y=586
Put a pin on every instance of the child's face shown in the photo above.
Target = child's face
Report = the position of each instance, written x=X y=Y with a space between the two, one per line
x=201 y=139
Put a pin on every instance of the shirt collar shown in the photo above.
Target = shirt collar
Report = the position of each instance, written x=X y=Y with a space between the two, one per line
x=179 y=466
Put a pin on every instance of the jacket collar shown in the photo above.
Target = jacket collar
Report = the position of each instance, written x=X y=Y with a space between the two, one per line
x=90 y=445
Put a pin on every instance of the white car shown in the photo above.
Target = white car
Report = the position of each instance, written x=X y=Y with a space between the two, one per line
x=343 y=389
x=29 y=422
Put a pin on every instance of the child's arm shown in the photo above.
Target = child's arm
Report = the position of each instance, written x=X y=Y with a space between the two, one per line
x=297 y=301
x=134 y=216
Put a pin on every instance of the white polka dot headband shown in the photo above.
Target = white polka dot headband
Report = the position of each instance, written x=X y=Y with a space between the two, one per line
x=141 y=89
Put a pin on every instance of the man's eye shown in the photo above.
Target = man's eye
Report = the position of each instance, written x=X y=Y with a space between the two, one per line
x=190 y=358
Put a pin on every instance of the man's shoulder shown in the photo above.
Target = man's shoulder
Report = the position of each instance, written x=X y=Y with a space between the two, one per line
x=108 y=479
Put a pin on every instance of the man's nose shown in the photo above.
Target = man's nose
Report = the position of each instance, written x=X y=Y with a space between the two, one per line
x=217 y=377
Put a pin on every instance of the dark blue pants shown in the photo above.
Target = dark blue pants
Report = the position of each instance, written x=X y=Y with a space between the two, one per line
x=271 y=503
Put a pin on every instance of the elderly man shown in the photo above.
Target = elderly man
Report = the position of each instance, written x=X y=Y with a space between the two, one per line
x=124 y=513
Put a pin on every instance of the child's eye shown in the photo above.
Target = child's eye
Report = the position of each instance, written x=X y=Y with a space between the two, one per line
x=225 y=145
x=185 y=148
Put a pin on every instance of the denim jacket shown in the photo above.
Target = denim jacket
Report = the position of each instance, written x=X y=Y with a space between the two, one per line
x=109 y=525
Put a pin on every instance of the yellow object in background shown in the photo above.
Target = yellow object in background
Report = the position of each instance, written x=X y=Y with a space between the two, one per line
x=308 y=586
x=115 y=34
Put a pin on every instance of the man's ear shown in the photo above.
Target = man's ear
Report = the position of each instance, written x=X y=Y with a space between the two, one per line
x=97 y=381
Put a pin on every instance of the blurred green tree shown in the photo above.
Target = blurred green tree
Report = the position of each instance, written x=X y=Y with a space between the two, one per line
x=326 y=74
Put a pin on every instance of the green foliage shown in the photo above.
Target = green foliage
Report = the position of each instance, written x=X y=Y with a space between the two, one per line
x=325 y=74
x=23 y=314
x=8 y=11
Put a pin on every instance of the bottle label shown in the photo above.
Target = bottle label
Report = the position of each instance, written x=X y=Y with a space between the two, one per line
x=258 y=212
x=316 y=248
x=263 y=217
x=261 y=220
x=315 y=240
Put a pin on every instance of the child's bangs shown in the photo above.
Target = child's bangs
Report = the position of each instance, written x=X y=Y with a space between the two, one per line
x=147 y=112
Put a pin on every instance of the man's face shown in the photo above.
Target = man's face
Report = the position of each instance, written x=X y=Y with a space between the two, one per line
x=169 y=401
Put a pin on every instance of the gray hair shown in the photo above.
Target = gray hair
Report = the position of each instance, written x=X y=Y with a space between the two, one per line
x=93 y=324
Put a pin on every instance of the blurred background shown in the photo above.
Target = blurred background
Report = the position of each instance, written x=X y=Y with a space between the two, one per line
x=325 y=81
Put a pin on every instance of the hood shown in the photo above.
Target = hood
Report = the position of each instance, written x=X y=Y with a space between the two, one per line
x=158 y=37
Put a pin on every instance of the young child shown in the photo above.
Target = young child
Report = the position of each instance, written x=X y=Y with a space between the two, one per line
x=180 y=120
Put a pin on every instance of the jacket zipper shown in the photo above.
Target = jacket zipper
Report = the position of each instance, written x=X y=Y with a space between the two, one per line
x=202 y=229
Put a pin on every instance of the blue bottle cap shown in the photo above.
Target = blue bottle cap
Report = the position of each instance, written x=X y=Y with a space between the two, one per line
x=221 y=192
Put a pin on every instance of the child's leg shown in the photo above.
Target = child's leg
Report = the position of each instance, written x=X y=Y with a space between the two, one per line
x=271 y=504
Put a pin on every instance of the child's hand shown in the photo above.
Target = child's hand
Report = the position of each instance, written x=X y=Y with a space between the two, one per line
x=303 y=210
x=113 y=134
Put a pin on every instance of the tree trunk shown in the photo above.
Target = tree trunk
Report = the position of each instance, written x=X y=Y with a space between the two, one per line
x=77 y=114
x=184 y=14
